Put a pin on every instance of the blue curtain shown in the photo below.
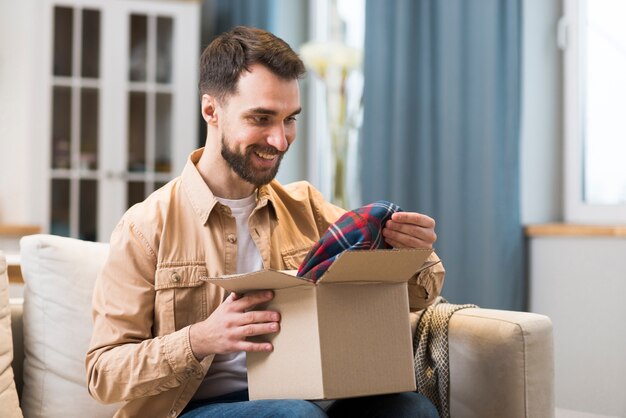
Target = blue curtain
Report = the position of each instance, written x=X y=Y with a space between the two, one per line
x=441 y=134
x=221 y=15
x=231 y=13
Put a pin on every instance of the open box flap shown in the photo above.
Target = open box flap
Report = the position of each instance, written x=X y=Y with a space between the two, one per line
x=388 y=266
x=391 y=266
x=263 y=279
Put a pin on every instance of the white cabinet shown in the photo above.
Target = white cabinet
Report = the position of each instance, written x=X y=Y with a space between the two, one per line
x=120 y=106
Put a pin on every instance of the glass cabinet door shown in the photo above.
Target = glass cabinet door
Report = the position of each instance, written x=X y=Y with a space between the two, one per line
x=75 y=119
x=150 y=94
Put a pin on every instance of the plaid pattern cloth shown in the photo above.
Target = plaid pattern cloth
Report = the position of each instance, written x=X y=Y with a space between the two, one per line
x=359 y=229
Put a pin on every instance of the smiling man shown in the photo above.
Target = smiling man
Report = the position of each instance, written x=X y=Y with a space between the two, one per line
x=166 y=342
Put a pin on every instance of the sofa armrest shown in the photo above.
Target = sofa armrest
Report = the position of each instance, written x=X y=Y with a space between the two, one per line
x=501 y=364
x=17 y=330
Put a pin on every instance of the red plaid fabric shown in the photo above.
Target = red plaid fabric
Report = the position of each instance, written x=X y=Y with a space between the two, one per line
x=360 y=229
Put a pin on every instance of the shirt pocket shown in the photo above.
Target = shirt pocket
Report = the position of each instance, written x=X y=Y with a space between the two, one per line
x=181 y=298
x=293 y=257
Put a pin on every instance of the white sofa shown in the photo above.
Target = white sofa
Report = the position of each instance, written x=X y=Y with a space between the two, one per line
x=501 y=362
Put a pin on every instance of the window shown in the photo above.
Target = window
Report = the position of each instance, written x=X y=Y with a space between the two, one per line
x=593 y=37
x=341 y=21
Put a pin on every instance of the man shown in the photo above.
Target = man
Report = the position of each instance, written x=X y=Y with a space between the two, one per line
x=165 y=342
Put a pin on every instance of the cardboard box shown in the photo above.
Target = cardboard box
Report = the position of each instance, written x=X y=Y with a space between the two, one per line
x=346 y=335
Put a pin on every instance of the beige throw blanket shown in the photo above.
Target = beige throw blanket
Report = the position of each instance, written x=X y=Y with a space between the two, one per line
x=430 y=345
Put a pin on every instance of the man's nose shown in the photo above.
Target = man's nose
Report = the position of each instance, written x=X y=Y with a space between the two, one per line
x=278 y=139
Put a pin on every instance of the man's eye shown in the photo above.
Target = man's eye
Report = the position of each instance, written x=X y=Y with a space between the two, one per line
x=261 y=120
x=291 y=119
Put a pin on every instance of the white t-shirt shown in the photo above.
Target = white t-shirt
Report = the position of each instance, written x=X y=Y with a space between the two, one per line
x=228 y=372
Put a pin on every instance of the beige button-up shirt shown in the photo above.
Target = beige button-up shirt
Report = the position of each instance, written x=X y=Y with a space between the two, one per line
x=152 y=287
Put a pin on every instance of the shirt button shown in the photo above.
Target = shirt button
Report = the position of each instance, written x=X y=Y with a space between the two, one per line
x=175 y=277
x=173 y=413
x=231 y=238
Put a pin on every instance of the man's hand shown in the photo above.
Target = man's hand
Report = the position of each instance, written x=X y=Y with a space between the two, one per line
x=410 y=230
x=226 y=329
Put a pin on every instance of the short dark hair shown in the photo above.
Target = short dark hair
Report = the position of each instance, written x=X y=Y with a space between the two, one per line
x=229 y=54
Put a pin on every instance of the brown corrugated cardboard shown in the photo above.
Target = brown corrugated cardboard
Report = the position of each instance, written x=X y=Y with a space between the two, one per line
x=346 y=335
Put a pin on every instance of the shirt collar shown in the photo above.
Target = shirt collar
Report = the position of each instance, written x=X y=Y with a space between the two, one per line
x=266 y=197
x=202 y=198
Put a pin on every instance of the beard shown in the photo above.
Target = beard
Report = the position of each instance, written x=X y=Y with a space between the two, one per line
x=241 y=163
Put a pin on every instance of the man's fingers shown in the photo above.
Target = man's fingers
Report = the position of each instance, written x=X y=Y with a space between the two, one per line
x=252 y=330
x=409 y=235
x=408 y=243
x=418 y=219
x=254 y=347
x=252 y=299
x=401 y=240
x=253 y=317
x=409 y=229
x=394 y=244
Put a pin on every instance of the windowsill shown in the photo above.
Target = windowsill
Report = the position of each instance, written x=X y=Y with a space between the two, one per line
x=574 y=230
x=18 y=230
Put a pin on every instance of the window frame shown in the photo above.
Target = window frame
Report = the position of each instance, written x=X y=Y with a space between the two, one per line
x=576 y=209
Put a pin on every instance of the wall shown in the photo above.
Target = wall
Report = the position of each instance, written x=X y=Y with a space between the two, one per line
x=18 y=111
x=580 y=284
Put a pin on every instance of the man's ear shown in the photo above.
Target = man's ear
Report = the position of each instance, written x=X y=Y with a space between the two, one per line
x=209 y=109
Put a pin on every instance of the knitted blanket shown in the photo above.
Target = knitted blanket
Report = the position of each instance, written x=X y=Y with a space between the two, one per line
x=430 y=345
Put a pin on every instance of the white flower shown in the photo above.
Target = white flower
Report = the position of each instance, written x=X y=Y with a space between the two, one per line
x=322 y=56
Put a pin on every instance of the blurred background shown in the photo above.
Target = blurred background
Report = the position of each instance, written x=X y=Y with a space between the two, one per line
x=501 y=119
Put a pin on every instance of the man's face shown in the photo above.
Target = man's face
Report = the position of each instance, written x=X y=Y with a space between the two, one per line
x=259 y=124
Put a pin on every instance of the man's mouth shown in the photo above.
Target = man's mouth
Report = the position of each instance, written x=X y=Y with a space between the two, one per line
x=266 y=156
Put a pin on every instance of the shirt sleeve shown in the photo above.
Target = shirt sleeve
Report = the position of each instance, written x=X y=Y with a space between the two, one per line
x=125 y=361
x=425 y=286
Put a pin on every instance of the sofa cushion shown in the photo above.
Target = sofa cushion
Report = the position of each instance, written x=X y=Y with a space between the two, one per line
x=59 y=275
x=8 y=395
